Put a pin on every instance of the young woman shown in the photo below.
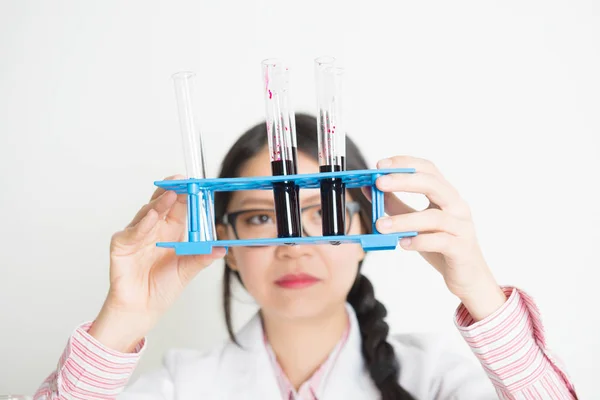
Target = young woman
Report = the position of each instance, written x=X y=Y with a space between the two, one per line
x=320 y=333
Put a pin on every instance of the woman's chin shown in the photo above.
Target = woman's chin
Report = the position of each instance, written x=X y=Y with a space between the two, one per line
x=301 y=307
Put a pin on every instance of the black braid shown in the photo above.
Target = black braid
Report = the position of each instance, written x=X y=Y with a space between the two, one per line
x=379 y=355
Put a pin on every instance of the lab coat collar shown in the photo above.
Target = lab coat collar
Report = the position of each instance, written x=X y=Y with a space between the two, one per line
x=347 y=378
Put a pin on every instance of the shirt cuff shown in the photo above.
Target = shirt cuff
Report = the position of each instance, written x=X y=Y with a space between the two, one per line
x=510 y=343
x=88 y=368
x=82 y=335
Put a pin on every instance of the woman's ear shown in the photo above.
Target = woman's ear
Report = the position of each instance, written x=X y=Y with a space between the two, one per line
x=363 y=254
x=362 y=231
x=230 y=260
x=223 y=234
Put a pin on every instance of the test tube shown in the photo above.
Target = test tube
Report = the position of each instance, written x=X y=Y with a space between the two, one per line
x=195 y=164
x=332 y=144
x=281 y=131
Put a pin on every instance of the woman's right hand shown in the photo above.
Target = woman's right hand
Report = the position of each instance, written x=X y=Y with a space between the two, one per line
x=145 y=280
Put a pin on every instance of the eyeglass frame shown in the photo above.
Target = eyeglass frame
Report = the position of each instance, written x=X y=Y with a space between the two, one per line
x=352 y=207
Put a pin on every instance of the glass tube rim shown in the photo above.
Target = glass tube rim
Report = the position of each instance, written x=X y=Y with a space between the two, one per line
x=325 y=60
x=272 y=62
x=183 y=75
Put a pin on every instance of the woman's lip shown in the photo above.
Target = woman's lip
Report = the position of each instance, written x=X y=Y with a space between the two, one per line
x=296 y=281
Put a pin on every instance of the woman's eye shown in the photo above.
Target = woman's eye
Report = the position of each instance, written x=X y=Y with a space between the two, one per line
x=260 y=219
x=315 y=214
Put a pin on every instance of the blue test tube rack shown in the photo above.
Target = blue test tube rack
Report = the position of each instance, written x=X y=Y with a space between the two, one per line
x=352 y=179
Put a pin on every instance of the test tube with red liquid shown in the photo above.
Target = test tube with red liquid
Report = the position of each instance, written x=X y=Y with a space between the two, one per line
x=281 y=131
x=332 y=144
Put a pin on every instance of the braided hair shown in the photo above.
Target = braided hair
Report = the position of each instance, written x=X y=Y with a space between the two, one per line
x=378 y=353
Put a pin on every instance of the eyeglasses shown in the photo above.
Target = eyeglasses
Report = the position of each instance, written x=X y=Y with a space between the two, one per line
x=262 y=224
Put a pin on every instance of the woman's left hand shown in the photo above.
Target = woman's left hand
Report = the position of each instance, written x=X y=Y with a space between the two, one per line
x=446 y=238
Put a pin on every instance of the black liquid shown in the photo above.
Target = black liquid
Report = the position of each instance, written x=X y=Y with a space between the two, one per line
x=333 y=202
x=287 y=200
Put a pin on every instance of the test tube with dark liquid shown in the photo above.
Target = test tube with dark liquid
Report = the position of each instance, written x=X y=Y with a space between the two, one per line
x=332 y=144
x=281 y=131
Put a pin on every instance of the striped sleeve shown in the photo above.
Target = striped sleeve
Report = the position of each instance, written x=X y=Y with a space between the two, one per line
x=511 y=347
x=88 y=370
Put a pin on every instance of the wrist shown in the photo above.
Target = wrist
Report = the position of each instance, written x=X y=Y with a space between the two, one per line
x=484 y=300
x=120 y=330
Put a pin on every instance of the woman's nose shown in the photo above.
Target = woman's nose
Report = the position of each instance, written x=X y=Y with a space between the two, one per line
x=294 y=251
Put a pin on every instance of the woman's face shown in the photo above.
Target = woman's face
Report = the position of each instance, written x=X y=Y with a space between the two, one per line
x=263 y=269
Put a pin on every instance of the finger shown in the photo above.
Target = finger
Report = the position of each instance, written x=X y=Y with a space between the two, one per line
x=159 y=191
x=146 y=224
x=137 y=233
x=191 y=265
x=161 y=204
x=178 y=212
x=437 y=242
x=436 y=190
x=419 y=164
x=430 y=220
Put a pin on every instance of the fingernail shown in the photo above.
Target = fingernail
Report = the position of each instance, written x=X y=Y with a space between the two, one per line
x=385 y=163
x=405 y=242
x=385 y=222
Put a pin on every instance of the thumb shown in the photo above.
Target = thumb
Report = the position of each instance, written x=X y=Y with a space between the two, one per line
x=190 y=265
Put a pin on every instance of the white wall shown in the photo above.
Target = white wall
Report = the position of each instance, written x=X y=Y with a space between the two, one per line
x=503 y=96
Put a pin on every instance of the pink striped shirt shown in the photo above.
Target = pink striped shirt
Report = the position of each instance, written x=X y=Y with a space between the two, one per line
x=509 y=344
x=511 y=347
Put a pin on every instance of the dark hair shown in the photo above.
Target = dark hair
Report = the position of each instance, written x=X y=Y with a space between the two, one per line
x=378 y=354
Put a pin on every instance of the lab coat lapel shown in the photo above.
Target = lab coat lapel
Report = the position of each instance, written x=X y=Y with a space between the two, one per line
x=253 y=376
x=348 y=378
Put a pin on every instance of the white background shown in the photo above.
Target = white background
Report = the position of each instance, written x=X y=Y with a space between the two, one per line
x=504 y=96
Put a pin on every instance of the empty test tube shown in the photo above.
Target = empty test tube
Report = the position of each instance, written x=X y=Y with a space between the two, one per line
x=193 y=150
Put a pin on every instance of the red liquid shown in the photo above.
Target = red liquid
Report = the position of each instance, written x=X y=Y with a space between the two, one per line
x=333 y=202
x=287 y=200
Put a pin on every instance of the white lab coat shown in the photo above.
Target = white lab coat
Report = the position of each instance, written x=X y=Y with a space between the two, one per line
x=229 y=372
